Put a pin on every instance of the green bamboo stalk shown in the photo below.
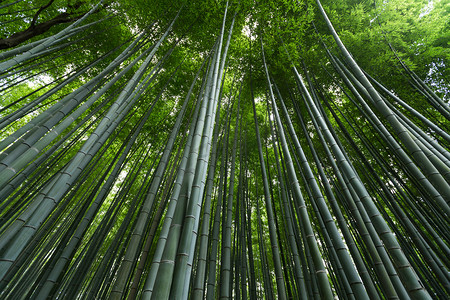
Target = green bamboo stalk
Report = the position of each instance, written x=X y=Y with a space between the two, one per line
x=172 y=209
x=399 y=286
x=417 y=114
x=220 y=206
x=22 y=57
x=226 y=257
x=190 y=227
x=365 y=228
x=299 y=278
x=331 y=229
x=322 y=277
x=46 y=201
x=166 y=268
x=438 y=196
x=199 y=281
x=429 y=170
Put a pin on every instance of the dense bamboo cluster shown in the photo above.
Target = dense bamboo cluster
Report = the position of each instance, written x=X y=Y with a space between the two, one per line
x=117 y=187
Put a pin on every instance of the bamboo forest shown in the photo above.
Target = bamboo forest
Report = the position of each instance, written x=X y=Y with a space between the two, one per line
x=218 y=149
